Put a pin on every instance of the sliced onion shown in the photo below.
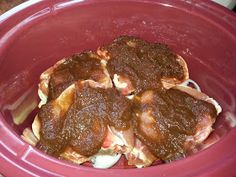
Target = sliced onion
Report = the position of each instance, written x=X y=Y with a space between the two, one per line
x=105 y=161
x=29 y=137
x=188 y=81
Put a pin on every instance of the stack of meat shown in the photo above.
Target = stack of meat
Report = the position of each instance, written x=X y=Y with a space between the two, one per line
x=127 y=98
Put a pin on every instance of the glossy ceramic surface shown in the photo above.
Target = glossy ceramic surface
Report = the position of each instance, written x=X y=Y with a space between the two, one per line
x=36 y=34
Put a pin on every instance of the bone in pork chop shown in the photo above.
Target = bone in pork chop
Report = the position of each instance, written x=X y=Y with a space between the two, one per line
x=164 y=119
x=141 y=65
x=83 y=124
x=84 y=66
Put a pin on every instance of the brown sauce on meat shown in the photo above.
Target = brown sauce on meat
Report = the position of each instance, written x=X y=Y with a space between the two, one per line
x=84 y=126
x=86 y=121
x=162 y=119
x=142 y=62
x=79 y=67
x=119 y=114
x=51 y=138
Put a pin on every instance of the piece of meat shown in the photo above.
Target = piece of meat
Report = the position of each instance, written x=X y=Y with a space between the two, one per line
x=203 y=127
x=137 y=65
x=86 y=120
x=166 y=119
x=121 y=141
x=84 y=66
x=73 y=121
x=78 y=117
x=140 y=156
x=50 y=120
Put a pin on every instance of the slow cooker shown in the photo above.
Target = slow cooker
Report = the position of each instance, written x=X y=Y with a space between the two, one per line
x=36 y=34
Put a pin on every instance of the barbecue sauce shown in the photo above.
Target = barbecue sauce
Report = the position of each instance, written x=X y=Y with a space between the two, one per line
x=161 y=119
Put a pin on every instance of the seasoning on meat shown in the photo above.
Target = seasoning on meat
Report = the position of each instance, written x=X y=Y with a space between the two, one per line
x=84 y=66
x=83 y=124
x=122 y=99
x=165 y=118
x=143 y=64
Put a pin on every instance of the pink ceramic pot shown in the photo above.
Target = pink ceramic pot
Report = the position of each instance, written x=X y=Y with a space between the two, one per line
x=36 y=34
